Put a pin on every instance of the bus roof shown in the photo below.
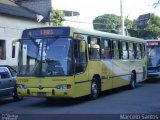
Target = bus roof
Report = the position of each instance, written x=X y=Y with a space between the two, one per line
x=152 y=40
x=71 y=30
x=108 y=35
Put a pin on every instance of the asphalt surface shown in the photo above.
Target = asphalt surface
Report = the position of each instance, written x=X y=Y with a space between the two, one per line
x=144 y=99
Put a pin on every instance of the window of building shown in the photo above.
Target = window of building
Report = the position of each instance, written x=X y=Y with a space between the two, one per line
x=2 y=49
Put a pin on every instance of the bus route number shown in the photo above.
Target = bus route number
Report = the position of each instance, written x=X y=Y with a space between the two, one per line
x=22 y=80
x=46 y=32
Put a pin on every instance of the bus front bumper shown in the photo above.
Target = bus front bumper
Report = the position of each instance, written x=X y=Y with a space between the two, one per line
x=45 y=92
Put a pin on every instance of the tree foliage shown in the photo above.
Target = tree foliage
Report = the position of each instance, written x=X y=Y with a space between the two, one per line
x=111 y=23
x=107 y=22
x=154 y=26
x=151 y=30
x=58 y=17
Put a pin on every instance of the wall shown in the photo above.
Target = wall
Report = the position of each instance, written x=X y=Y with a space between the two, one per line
x=10 y=30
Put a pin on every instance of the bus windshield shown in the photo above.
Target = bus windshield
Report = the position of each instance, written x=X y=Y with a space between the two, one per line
x=46 y=57
x=153 y=56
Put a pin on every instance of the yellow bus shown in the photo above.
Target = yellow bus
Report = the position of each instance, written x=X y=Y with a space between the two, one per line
x=67 y=62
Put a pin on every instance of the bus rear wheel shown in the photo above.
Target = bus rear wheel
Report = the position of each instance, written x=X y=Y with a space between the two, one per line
x=94 y=89
x=132 y=84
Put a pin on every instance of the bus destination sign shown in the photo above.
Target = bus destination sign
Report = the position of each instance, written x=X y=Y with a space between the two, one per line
x=46 y=32
x=153 y=43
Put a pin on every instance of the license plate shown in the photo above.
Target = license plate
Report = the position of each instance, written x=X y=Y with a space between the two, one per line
x=41 y=94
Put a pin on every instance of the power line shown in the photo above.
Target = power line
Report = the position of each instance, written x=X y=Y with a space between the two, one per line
x=10 y=28
x=77 y=21
x=87 y=22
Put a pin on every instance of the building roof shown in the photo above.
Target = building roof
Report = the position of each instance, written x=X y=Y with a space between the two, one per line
x=17 y=11
x=8 y=2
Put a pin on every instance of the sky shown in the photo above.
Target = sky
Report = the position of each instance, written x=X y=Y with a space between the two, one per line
x=89 y=9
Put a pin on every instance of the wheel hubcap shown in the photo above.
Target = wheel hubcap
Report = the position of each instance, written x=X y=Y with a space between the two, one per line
x=94 y=89
x=133 y=84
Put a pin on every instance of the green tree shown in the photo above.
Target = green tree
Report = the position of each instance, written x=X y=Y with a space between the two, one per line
x=154 y=26
x=149 y=31
x=107 y=22
x=58 y=17
x=110 y=23
x=128 y=23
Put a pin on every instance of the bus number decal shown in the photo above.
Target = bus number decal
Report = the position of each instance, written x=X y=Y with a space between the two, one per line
x=22 y=80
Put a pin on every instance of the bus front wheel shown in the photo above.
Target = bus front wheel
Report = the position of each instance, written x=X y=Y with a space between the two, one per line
x=16 y=97
x=94 y=89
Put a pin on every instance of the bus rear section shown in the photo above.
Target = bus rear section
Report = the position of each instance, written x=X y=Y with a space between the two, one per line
x=153 y=68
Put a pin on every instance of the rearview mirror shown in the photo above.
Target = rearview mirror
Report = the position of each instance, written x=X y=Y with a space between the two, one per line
x=13 y=51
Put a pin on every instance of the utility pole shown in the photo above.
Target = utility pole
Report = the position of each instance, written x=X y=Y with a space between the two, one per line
x=122 y=18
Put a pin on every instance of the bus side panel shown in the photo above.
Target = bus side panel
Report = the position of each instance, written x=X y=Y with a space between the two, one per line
x=121 y=73
x=95 y=68
x=139 y=71
x=106 y=75
x=145 y=67
x=82 y=84
x=137 y=66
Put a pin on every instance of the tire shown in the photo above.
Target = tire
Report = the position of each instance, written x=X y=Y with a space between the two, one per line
x=132 y=84
x=94 y=89
x=16 y=97
x=49 y=99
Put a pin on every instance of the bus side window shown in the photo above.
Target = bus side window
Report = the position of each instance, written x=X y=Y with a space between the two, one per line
x=131 y=51
x=116 y=49
x=135 y=51
x=124 y=50
x=143 y=50
x=106 y=49
x=138 y=51
x=94 y=48
x=80 y=53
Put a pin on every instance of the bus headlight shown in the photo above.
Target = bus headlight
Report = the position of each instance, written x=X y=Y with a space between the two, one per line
x=63 y=87
x=20 y=86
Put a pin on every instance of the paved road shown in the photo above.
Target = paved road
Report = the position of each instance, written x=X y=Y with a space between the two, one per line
x=144 y=99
